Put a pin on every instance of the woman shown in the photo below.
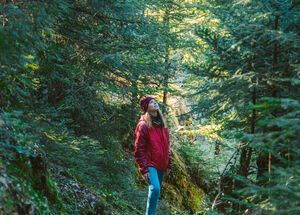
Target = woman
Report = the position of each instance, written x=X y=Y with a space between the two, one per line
x=152 y=149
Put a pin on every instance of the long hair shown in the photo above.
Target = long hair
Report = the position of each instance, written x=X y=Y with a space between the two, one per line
x=147 y=118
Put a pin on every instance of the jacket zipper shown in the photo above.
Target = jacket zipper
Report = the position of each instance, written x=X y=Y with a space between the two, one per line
x=164 y=144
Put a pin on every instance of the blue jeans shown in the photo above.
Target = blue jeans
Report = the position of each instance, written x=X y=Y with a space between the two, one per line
x=155 y=182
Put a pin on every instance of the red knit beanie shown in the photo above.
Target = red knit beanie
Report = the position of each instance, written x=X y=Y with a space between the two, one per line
x=144 y=103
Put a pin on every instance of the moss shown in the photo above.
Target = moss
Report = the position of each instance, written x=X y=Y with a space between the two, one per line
x=53 y=196
x=22 y=168
x=18 y=196
x=196 y=196
x=179 y=189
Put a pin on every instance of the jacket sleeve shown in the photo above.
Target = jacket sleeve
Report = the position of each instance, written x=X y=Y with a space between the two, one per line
x=140 y=147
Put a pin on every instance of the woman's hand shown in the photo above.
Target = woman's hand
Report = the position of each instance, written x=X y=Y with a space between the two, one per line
x=146 y=176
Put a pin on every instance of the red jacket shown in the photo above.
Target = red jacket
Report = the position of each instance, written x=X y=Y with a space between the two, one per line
x=152 y=147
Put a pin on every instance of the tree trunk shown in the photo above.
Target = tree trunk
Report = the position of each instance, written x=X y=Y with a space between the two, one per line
x=247 y=151
x=166 y=63
x=265 y=160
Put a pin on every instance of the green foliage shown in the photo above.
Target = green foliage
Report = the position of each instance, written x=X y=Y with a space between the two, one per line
x=248 y=78
x=18 y=195
x=18 y=151
x=72 y=74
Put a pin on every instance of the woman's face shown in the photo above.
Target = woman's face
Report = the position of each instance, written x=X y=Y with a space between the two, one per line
x=153 y=105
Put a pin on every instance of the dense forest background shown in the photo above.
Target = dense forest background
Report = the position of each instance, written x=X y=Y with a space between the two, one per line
x=226 y=74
